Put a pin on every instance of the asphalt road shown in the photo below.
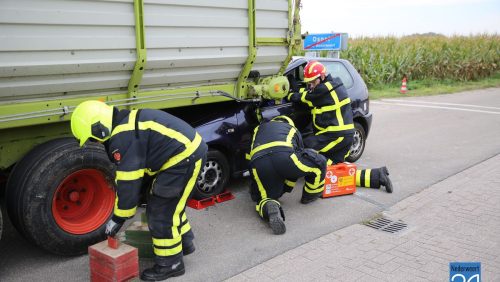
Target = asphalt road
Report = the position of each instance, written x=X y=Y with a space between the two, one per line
x=421 y=140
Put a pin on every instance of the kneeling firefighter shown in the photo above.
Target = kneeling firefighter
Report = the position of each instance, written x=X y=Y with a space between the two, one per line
x=141 y=143
x=333 y=124
x=277 y=160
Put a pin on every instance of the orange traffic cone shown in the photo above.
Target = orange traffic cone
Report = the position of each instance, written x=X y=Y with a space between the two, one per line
x=403 y=86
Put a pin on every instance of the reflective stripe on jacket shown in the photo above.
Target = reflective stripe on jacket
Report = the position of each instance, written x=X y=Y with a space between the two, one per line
x=330 y=107
x=146 y=142
x=274 y=136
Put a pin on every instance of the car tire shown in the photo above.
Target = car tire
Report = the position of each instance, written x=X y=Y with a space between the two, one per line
x=60 y=196
x=213 y=177
x=358 y=144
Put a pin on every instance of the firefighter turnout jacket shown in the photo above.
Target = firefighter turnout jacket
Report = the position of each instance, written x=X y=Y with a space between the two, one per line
x=330 y=107
x=332 y=118
x=154 y=143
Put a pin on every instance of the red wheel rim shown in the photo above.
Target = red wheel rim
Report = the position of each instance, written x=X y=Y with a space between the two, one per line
x=83 y=201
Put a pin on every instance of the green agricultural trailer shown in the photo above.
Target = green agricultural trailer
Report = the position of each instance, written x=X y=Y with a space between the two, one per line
x=128 y=53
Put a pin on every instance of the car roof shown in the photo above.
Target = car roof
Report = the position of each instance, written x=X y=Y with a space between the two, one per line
x=300 y=60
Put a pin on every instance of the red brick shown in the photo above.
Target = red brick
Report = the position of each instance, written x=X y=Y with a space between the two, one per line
x=96 y=277
x=101 y=251
x=113 y=242
x=115 y=270
x=108 y=264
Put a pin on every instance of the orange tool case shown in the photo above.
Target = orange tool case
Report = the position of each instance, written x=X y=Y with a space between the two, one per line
x=340 y=180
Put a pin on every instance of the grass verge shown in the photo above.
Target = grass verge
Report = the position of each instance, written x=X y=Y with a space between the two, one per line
x=432 y=87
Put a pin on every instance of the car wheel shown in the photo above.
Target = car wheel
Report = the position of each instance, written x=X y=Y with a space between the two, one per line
x=213 y=177
x=60 y=196
x=358 y=144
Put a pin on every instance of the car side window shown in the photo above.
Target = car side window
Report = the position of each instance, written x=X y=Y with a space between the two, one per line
x=337 y=69
x=300 y=73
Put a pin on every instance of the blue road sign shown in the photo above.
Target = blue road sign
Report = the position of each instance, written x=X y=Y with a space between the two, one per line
x=323 y=41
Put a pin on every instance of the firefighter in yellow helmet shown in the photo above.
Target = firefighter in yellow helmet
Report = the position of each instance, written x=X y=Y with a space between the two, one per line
x=332 y=119
x=145 y=143
x=277 y=160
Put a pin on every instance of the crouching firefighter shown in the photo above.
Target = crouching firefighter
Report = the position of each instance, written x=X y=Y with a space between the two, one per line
x=333 y=124
x=277 y=160
x=148 y=143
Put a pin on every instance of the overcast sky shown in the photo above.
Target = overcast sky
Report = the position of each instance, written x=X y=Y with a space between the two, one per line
x=393 y=17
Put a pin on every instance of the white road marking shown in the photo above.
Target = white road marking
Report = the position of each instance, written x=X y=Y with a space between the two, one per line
x=439 y=103
x=436 y=107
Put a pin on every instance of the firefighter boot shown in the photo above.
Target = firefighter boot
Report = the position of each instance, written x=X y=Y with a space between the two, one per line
x=159 y=273
x=188 y=247
x=276 y=217
x=308 y=198
x=385 y=180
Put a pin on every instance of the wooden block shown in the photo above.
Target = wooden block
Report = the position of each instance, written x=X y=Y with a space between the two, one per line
x=138 y=235
x=145 y=249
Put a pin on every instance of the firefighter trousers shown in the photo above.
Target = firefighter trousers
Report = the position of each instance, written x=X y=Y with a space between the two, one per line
x=335 y=148
x=369 y=178
x=276 y=173
x=165 y=211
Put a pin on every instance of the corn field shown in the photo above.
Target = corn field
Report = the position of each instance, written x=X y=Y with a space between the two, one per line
x=386 y=59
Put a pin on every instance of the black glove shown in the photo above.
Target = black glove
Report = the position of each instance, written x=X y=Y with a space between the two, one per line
x=295 y=97
x=114 y=225
x=314 y=156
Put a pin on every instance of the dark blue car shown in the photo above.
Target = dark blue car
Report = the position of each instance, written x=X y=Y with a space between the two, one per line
x=227 y=127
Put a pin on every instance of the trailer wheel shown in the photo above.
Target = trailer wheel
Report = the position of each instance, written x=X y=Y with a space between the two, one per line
x=213 y=177
x=59 y=196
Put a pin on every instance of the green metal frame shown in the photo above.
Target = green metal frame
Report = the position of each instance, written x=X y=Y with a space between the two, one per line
x=294 y=38
x=271 y=41
x=16 y=141
x=252 y=51
x=18 y=135
x=140 y=41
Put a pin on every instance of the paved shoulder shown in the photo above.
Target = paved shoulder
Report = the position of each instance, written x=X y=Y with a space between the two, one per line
x=457 y=219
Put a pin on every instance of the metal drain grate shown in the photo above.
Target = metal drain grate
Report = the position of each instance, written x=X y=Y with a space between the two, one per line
x=387 y=225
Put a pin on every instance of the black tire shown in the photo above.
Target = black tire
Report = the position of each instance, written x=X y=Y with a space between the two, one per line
x=358 y=145
x=213 y=177
x=31 y=192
